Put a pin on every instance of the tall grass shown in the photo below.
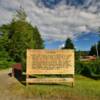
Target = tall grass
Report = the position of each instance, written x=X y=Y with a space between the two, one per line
x=84 y=89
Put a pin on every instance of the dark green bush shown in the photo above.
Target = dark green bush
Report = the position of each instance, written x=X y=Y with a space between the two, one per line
x=89 y=68
x=5 y=60
x=78 y=67
x=86 y=71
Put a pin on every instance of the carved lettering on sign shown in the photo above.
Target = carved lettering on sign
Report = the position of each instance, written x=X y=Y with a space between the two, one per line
x=51 y=61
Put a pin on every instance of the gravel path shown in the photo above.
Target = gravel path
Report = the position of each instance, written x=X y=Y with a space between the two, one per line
x=12 y=89
x=7 y=83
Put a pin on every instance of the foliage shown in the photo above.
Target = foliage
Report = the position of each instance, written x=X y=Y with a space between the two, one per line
x=93 y=50
x=38 y=40
x=90 y=69
x=20 y=15
x=78 y=54
x=69 y=44
x=21 y=38
x=99 y=48
x=4 y=29
x=18 y=36
x=5 y=60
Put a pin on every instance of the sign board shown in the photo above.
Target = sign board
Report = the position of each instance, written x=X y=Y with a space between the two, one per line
x=50 y=62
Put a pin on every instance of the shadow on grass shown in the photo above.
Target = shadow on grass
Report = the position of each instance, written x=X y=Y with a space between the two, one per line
x=92 y=76
x=22 y=80
x=49 y=85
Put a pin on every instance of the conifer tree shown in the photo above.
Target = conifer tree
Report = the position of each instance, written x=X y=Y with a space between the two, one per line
x=21 y=36
x=69 y=44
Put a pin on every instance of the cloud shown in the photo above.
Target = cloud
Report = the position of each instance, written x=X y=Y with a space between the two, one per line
x=55 y=24
x=61 y=46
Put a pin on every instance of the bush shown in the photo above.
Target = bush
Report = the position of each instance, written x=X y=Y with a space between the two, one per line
x=5 y=60
x=86 y=71
x=90 y=68
x=78 y=67
x=6 y=64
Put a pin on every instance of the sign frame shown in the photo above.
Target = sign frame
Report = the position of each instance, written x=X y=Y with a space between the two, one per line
x=46 y=56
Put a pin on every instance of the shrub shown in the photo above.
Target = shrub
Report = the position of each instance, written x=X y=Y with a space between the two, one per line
x=5 y=60
x=6 y=64
x=90 y=68
x=86 y=71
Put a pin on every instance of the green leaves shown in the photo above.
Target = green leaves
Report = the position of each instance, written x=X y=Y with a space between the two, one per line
x=21 y=15
x=18 y=36
x=69 y=44
x=95 y=49
x=38 y=40
x=89 y=68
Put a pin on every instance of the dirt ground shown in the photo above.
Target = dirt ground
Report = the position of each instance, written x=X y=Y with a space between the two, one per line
x=8 y=88
x=5 y=82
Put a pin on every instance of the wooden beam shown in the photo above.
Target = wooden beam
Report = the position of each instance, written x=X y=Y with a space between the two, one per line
x=49 y=80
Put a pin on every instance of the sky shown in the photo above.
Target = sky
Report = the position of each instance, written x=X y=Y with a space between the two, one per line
x=58 y=20
x=85 y=41
x=82 y=42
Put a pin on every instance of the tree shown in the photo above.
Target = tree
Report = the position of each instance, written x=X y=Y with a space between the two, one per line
x=5 y=60
x=4 y=30
x=99 y=48
x=20 y=15
x=21 y=36
x=93 y=50
x=69 y=44
x=38 y=40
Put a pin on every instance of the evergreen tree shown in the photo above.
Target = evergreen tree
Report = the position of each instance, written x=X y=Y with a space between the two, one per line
x=4 y=30
x=20 y=36
x=99 y=48
x=69 y=44
x=21 y=39
x=23 y=36
x=38 y=40
x=20 y=15
x=5 y=60
x=93 y=50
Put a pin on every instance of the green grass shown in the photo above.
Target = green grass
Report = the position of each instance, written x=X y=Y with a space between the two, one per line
x=84 y=89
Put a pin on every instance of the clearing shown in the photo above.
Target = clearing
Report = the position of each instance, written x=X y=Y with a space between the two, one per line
x=85 y=89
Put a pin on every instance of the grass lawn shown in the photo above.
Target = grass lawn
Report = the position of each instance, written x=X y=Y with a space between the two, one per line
x=84 y=89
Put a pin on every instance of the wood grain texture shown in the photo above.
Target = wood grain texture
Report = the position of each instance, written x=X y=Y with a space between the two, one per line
x=44 y=62
x=49 y=80
x=50 y=62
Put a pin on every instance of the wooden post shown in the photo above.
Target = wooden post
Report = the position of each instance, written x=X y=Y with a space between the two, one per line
x=73 y=82
x=27 y=76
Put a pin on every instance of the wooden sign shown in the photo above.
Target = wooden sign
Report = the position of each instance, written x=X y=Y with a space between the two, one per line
x=49 y=62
